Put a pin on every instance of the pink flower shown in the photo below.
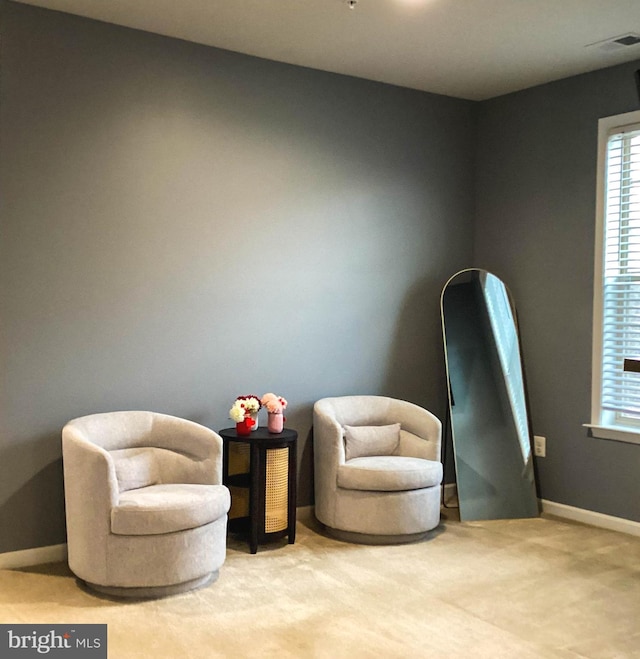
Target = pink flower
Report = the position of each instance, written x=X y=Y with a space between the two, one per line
x=274 y=404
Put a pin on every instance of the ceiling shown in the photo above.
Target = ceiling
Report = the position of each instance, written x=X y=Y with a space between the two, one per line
x=473 y=49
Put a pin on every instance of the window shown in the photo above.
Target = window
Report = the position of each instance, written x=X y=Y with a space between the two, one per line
x=616 y=393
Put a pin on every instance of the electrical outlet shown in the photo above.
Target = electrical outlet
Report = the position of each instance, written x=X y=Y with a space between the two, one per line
x=540 y=446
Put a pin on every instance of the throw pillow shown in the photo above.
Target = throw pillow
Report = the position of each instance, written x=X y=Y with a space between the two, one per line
x=361 y=441
x=135 y=467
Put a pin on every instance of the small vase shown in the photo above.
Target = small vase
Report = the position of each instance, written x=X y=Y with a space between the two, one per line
x=254 y=416
x=244 y=427
x=275 y=422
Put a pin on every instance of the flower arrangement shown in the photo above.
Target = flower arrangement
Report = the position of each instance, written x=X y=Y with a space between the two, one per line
x=244 y=407
x=274 y=404
x=244 y=412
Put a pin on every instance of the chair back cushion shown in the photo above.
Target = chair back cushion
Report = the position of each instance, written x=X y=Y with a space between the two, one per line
x=135 y=467
x=362 y=441
x=150 y=465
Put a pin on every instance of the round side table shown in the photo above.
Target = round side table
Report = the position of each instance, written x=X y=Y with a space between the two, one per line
x=271 y=481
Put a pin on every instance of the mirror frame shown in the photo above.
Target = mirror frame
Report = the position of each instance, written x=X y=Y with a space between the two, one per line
x=529 y=468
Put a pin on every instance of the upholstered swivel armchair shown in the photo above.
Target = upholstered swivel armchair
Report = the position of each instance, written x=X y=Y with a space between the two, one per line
x=377 y=468
x=145 y=506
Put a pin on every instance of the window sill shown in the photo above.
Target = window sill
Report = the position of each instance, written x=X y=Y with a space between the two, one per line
x=615 y=434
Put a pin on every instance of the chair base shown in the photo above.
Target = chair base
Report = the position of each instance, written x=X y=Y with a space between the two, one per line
x=371 y=539
x=151 y=592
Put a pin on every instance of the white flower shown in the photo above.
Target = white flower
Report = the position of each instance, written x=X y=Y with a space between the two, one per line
x=251 y=404
x=237 y=412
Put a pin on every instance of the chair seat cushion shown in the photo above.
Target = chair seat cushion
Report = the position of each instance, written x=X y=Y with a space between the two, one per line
x=389 y=473
x=168 y=508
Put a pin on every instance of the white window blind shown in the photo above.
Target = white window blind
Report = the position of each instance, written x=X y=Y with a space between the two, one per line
x=620 y=390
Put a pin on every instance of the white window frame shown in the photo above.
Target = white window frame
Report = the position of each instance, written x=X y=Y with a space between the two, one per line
x=599 y=426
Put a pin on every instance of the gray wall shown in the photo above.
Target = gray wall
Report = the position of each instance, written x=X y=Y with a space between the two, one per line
x=535 y=228
x=180 y=225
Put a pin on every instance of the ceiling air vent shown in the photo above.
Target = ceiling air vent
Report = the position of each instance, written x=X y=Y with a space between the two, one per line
x=617 y=43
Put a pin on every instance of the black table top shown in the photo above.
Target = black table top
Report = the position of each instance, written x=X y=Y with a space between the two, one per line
x=260 y=435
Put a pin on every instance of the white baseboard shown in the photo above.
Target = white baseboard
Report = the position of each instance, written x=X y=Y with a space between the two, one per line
x=304 y=513
x=569 y=512
x=57 y=553
x=590 y=517
x=36 y=556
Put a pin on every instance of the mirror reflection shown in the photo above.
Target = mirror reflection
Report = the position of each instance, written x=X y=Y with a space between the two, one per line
x=489 y=418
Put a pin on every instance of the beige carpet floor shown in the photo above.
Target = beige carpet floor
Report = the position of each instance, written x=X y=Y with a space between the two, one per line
x=516 y=589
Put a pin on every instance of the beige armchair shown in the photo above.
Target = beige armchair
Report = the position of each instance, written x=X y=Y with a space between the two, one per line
x=145 y=506
x=377 y=468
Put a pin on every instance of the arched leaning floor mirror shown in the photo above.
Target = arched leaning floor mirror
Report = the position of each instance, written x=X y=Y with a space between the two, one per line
x=488 y=414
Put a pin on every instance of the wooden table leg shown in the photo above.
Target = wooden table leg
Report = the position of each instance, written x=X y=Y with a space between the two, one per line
x=254 y=497
x=292 y=494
